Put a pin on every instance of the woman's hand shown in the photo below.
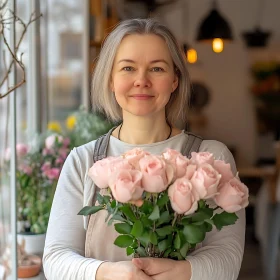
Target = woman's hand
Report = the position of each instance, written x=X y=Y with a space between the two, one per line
x=124 y=270
x=164 y=269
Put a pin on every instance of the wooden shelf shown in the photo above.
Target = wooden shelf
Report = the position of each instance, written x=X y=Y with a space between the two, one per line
x=95 y=44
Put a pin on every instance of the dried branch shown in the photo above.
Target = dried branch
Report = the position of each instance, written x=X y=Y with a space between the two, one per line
x=15 y=61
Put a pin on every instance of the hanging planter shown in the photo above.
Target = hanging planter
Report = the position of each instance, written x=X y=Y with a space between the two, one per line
x=256 y=38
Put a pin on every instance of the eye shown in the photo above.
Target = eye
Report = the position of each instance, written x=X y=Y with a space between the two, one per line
x=127 y=68
x=157 y=69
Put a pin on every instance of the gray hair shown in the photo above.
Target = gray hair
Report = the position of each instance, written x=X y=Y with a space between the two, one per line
x=103 y=100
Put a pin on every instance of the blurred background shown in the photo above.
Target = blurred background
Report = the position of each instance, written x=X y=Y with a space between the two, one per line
x=232 y=49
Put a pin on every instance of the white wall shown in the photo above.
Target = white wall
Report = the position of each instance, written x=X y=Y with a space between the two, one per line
x=231 y=112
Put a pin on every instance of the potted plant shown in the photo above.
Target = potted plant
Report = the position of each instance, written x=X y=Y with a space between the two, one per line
x=266 y=90
x=37 y=174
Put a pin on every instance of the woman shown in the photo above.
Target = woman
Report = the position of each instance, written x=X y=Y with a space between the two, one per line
x=140 y=79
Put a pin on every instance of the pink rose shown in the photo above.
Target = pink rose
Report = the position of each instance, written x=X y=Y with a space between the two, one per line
x=202 y=157
x=133 y=156
x=52 y=173
x=224 y=169
x=232 y=196
x=117 y=164
x=66 y=142
x=103 y=169
x=190 y=171
x=25 y=169
x=46 y=166
x=206 y=180
x=52 y=139
x=178 y=161
x=183 y=197
x=157 y=173
x=60 y=160
x=63 y=152
x=99 y=172
x=126 y=185
x=21 y=150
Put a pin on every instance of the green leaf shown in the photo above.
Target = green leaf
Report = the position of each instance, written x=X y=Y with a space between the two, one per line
x=164 y=231
x=89 y=210
x=194 y=234
x=106 y=198
x=185 y=221
x=114 y=204
x=144 y=239
x=123 y=228
x=201 y=204
x=153 y=238
x=177 y=241
x=100 y=199
x=176 y=255
x=224 y=219
x=202 y=214
x=184 y=250
x=146 y=222
x=116 y=217
x=123 y=241
x=126 y=209
x=147 y=207
x=129 y=251
x=167 y=252
x=163 y=200
x=163 y=245
x=165 y=217
x=155 y=214
x=141 y=251
x=137 y=229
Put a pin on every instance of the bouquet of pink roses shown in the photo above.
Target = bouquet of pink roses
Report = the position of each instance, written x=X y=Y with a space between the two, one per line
x=162 y=204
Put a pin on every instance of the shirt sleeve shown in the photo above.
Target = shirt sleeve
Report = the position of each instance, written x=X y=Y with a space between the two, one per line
x=221 y=254
x=65 y=240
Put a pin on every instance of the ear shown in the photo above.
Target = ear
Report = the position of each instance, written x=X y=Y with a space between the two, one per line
x=175 y=83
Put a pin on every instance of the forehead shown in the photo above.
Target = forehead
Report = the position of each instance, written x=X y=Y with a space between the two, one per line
x=143 y=45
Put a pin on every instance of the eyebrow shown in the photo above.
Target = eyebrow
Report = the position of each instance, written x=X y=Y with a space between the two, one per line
x=152 y=62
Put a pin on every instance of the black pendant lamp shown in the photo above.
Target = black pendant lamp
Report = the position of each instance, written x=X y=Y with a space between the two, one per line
x=257 y=37
x=214 y=27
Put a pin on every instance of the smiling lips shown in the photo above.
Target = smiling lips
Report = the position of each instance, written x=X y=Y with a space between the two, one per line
x=142 y=96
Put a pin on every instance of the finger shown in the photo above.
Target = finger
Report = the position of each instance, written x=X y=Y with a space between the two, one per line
x=146 y=264
x=143 y=276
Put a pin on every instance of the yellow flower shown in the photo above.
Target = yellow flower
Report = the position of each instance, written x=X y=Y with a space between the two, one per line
x=71 y=122
x=54 y=126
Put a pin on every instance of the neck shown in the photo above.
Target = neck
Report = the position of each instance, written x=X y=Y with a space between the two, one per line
x=143 y=131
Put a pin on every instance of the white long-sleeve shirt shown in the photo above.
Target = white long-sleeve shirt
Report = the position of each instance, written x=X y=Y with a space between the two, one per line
x=219 y=257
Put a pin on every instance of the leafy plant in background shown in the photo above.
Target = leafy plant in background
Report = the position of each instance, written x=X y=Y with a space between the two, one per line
x=37 y=174
x=83 y=127
x=266 y=89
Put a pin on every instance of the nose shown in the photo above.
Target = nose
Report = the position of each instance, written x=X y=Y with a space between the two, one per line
x=142 y=80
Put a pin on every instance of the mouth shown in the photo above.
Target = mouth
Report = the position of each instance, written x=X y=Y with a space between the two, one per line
x=142 y=96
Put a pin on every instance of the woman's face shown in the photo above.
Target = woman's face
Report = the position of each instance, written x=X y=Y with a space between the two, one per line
x=143 y=76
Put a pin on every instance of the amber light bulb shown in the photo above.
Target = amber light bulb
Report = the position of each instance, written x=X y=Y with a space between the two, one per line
x=217 y=45
x=192 y=56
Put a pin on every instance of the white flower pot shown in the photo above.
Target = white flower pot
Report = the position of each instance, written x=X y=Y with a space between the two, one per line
x=34 y=243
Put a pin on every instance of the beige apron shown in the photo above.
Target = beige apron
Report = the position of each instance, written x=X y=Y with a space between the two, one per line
x=100 y=239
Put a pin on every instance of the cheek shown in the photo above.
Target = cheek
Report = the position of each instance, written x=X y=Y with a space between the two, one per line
x=120 y=85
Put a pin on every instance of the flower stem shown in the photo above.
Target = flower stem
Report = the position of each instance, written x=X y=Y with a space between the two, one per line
x=174 y=220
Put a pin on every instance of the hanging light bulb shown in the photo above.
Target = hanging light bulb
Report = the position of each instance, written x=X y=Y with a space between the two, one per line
x=192 y=56
x=215 y=29
x=218 y=45
x=190 y=53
